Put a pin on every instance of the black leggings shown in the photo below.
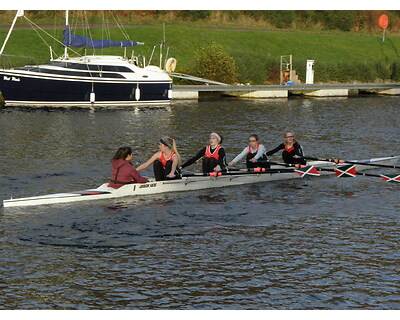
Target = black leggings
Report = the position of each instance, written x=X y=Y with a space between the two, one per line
x=160 y=173
x=256 y=164
x=209 y=164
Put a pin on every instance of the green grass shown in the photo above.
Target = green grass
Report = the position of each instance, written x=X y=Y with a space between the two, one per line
x=251 y=49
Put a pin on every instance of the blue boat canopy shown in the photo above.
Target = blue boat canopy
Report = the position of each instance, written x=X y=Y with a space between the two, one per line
x=72 y=40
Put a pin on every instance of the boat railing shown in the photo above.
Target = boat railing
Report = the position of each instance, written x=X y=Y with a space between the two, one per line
x=163 y=60
x=139 y=61
x=9 y=61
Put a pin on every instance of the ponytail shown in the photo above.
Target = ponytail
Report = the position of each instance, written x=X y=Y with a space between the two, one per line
x=172 y=146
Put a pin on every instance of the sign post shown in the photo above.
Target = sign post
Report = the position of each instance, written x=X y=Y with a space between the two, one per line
x=383 y=23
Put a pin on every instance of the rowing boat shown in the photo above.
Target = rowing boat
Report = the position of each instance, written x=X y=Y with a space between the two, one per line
x=187 y=183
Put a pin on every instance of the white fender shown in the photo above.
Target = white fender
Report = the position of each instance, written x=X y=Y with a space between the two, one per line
x=92 y=97
x=170 y=65
x=137 y=93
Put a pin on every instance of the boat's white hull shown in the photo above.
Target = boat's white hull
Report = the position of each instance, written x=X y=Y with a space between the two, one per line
x=184 y=184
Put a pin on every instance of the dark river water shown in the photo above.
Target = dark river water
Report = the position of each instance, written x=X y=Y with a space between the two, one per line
x=316 y=243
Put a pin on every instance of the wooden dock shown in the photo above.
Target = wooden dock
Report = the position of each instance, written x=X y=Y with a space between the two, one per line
x=209 y=92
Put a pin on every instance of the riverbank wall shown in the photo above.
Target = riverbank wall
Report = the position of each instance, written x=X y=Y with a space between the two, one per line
x=215 y=92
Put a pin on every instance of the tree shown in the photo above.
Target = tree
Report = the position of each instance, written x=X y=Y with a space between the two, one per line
x=214 y=64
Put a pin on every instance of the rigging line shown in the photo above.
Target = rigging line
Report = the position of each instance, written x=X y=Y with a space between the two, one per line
x=120 y=25
x=55 y=27
x=115 y=20
x=109 y=26
x=105 y=31
x=102 y=29
x=40 y=36
x=36 y=26
x=87 y=28
x=106 y=28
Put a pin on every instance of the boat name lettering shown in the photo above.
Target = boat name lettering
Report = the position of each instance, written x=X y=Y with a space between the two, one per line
x=11 y=78
x=149 y=185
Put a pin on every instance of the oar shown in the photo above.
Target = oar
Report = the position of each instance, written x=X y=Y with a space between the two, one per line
x=305 y=170
x=247 y=171
x=295 y=165
x=342 y=171
x=350 y=171
x=301 y=169
x=276 y=163
x=337 y=161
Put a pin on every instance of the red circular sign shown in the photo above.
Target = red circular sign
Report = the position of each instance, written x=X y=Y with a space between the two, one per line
x=383 y=21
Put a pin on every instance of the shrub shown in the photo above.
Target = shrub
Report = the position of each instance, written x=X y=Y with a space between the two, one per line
x=193 y=15
x=382 y=71
x=335 y=19
x=254 y=68
x=395 y=71
x=281 y=18
x=272 y=75
x=214 y=64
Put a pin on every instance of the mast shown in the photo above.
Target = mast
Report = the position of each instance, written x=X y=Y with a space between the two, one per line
x=20 y=13
x=66 y=47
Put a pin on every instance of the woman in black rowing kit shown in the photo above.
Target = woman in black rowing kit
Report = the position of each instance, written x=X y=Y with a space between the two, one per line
x=214 y=156
x=292 y=150
x=165 y=162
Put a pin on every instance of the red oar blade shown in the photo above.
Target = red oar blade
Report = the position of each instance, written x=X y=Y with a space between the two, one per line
x=346 y=171
x=307 y=171
x=391 y=178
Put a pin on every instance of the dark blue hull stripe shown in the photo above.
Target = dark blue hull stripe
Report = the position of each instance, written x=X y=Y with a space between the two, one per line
x=50 y=90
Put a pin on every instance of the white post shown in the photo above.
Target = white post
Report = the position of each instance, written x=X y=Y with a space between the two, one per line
x=20 y=13
x=161 y=48
x=66 y=47
x=310 y=72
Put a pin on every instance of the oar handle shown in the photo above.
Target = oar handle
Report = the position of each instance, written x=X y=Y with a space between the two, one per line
x=314 y=158
x=294 y=165
x=339 y=161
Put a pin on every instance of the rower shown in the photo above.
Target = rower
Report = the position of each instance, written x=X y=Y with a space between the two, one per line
x=165 y=162
x=123 y=172
x=292 y=150
x=214 y=156
x=254 y=152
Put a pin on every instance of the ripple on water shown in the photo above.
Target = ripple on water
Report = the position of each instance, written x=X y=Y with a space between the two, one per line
x=323 y=243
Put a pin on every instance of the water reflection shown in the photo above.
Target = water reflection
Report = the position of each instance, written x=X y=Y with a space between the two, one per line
x=323 y=243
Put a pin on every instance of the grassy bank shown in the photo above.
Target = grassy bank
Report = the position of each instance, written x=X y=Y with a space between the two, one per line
x=341 y=57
